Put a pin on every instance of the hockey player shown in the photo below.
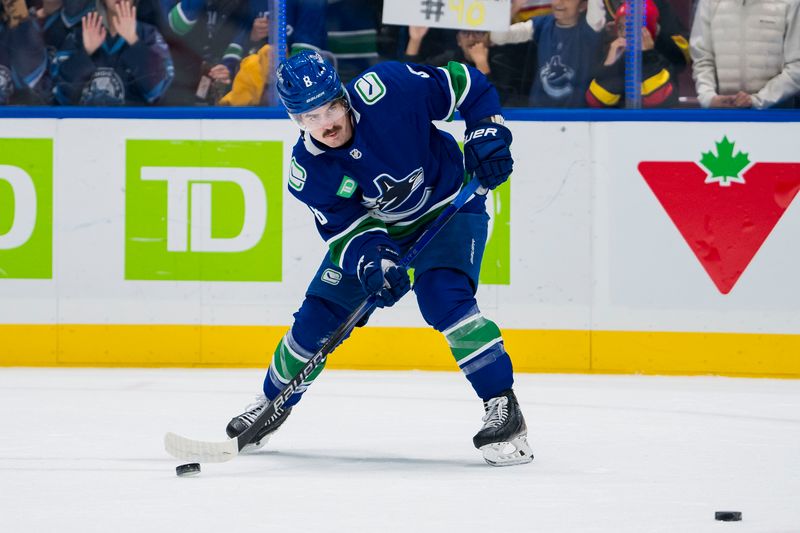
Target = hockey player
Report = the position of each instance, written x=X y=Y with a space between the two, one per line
x=375 y=172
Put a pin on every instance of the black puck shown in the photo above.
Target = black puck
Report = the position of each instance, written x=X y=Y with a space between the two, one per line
x=187 y=470
x=728 y=516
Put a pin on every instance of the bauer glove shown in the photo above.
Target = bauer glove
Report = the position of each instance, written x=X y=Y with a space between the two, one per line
x=487 y=154
x=380 y=275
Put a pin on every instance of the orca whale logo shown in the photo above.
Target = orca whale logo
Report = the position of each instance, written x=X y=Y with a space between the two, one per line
x=395 y=195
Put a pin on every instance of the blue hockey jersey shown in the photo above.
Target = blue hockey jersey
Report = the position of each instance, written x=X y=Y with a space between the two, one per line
x=398 y=171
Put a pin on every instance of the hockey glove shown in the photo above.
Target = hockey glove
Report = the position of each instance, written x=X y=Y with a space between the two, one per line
x=487 y=154
x=380 y=275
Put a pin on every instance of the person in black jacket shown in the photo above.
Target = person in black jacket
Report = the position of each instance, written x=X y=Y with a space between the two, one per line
x=112 y=59
x=607 y=89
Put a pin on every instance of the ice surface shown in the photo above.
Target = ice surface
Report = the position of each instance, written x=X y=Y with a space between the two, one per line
x=81 y=450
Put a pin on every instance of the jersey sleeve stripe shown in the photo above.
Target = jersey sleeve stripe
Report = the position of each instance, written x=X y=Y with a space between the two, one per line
x=458 y=76
x=449 y=115
x=339 y=247
x=466 y=88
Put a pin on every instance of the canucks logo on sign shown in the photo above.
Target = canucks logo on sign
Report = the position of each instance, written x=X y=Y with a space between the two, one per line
x=397 y=199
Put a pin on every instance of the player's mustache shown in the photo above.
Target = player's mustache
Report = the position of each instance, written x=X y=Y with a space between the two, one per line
x=332 y=131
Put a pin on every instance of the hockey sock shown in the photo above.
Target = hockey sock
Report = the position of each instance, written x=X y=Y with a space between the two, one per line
x=477 y=345
x=287 y=361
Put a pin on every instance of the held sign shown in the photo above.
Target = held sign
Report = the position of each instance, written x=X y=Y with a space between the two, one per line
x=26 y=208
x=475 y=15
x=203 y=210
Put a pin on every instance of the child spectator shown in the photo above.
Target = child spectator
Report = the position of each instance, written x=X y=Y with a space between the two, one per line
x=112 y=60
x=23 y=60
x=746 y=54
x=568 y=50
x=672 y=41
x=658 y=86
x=472 y=48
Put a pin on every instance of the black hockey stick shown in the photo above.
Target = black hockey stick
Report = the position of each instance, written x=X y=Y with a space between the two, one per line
x=219 y=452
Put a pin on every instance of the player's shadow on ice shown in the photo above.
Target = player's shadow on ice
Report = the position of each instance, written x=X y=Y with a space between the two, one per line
x=331 y=461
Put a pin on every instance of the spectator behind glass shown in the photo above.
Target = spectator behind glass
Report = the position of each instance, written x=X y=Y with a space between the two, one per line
x=112 y=60
x=569 y=44
x=353 y=35
x=207 y=41
x=23 y=60
x=250 y=83
x=472 y=48
x=672 y=41
x=746 y=54
x=658 y=86
x=305 y=25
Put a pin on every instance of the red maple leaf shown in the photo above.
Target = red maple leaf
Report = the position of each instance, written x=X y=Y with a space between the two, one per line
x=724 y=226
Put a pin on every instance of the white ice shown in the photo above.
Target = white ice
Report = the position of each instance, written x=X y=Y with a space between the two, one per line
x=81 y=451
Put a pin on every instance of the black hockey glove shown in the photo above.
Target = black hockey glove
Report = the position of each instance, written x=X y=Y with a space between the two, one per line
x=380 y=275
x=487 y=154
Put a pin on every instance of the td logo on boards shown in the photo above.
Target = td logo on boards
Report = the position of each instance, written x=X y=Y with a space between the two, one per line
x=203 y=210
x=26 y=208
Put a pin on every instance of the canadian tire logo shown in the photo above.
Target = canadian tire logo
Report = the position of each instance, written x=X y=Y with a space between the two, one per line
x=725 y=206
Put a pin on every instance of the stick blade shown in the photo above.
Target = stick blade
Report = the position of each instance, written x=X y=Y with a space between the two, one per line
x=198 y=451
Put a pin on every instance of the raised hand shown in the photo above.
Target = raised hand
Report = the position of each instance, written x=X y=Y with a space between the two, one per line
x=93 y=31
x=125 y=21
x=615 y=50
x=647 y=39
x=260 y=29
x=415 y=36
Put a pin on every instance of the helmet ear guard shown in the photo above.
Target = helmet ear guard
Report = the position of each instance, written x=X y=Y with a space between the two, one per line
x=306 y=81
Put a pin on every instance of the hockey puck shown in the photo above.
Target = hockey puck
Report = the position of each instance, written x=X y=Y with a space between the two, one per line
x=188 y=470
x=728 y=516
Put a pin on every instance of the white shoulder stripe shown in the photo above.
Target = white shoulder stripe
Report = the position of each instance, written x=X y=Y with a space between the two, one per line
x=466 y=89
x=452 y=94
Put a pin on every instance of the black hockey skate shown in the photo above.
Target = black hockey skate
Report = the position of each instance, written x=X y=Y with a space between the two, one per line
x=239 y=424
x=502 y=439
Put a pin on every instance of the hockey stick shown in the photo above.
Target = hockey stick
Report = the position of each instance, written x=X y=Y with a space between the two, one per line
x=219 y=452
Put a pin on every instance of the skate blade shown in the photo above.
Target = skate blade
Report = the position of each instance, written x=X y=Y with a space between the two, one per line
x=515 y=452
x=255 y=446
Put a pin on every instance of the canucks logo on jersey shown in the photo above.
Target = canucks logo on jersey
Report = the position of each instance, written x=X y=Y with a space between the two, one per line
x=397 y=198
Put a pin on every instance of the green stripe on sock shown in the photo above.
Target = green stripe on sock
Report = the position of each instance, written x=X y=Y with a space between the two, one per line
x=287 y=366
x=472 y=337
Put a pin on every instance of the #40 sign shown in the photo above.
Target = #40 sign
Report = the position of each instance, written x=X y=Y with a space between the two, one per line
x=477 y=15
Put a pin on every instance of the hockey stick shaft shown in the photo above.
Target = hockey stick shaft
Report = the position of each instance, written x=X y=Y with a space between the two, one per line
x=274 y=410
x=188 y=449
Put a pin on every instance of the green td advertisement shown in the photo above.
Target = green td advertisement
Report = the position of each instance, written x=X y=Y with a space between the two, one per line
x=203 y=210
x=26 y=208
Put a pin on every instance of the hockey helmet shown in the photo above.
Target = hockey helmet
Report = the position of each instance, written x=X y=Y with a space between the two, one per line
x=306 y=81
x=651 y=15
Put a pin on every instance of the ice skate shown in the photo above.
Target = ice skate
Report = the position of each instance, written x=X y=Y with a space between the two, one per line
x=502 y=439
x=240 y=423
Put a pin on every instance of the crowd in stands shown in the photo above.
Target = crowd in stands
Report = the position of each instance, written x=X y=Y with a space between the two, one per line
x=554 y=53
